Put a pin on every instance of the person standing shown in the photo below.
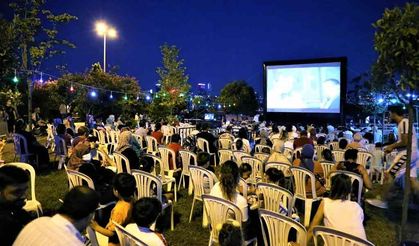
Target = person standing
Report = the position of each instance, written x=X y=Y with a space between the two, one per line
x=11 y=117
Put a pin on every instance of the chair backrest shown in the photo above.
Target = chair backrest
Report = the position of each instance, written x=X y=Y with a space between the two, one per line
x=327 y=167
x=334 y=146
x=332 y=237
x=148 y=185
x=152 y=144
x=260 y=147
x=319 y=150
x=353 y=177
x=224 y=143
x=60 y=146
x=29 y=168
x=102 y=137
x=284 y=167
x=218 y=211
x=364 y=158
x=339 y=155
x=288 y=153
x=167 y=156
x=21 y=144
x=300 y=176
x=274 y=196
x=257 y=166
x=188 y=158
x=262 y=156
x=276 y=229
x=121 y=162
x=225 y=155
x=198 y=176
x=101 y=156
x=238 y=156
x=126 y=238
x=203 y=145
x=297 y=153
x=76 y=178
x=140 y=140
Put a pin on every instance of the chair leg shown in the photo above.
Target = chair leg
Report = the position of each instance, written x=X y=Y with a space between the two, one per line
x=190 y=186
x=307 y=211
x=175 y=191
x=190 y=215
x=172 y=218
x=204 y=217
x=182 y=179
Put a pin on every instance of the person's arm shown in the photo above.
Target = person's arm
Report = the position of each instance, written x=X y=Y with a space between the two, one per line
x=399 y=144
x=316 y=221
x=365 y=177
x=104 y=231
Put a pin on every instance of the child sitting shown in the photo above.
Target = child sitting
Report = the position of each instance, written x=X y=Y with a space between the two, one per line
x=123 y=187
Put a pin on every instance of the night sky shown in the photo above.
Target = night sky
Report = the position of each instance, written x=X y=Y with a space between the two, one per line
x=220 y=41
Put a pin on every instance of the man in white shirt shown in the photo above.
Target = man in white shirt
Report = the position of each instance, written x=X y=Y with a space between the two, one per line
x=64 y=228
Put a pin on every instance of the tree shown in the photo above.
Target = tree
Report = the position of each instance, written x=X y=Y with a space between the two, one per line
x=36 y=34
x=239 y=98
x=171 y=99
x=397 y=69
x=8 y=56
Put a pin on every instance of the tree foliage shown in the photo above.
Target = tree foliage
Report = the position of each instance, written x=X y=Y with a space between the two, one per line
x=171 y=98
x=8 y=55
x=239 y=98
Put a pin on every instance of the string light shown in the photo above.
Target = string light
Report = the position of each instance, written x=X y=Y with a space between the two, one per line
x=15 y=79
x=41 y=80
x=93 y=93
x=125 y=97
x=111 y=96
x=71 y=88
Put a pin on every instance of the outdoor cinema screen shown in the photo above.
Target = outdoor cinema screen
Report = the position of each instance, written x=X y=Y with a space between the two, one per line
x=304 y=87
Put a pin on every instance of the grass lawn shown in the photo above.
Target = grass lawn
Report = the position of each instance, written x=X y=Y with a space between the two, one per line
x=382 y=227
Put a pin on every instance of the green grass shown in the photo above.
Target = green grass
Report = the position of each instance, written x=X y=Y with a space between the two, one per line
x=382 y=227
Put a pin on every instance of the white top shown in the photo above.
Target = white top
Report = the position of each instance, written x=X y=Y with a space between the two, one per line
x=55 y=230
x=145 y=235
x=246 y=144
x=403 y=128
x=141 y=132
x=238 y=199
x=346 y=216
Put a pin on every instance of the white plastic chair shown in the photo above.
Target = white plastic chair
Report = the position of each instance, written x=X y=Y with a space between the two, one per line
x=276 y=229
x=364 y=158
x=32 y=204
x=219 y=211
x=204 y=145
x=319 y=150
x=152 y=145
x=121 y=162
x=284 y=167
x=353 y=177
x=225 y=155
x=262 y=156
x=140 y=140
x=238 y=156
x=260 y=147
x=76 y=178
x=327 y=167
x=333 y=237
x=274 y=196
x=165 y=179
x=21 y=148
x=288 y=153
x=188 y=158
x=334 y=146
x=257 y=167
x=202 y=179
x=296 y=154
x=300 y=176
x=60 y=151
x=224 y=143
x=167 y=156
x=126 y=238
x=149 y=185
x=339 y=155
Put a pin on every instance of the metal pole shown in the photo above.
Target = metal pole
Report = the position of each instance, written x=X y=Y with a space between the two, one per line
x=104 y=52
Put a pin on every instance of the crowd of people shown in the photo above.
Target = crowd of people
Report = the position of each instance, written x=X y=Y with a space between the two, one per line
x=305 y=147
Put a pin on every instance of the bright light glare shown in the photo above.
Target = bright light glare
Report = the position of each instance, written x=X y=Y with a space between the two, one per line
x=101 y=28
x=112 y=33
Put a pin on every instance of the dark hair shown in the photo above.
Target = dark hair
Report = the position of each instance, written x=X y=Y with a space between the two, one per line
x=378 y=144
x=12 y=175
x=396 y=109
x=79 y=202
x=230 y=235
x=204 y=126
x=82 y=131
x=125 y=184
x=369 y=136
x=229 y=178
x=157 y=126
x=276 y=176
x=60 y=129
x=275 y=128
x=20 y=124
x=146 y=164
x=341 y=187
x=321 y=140
x=351 y=154
x=146 y=210
x=303 y=133
x=239 y=144
x=142 y=123
x=343 y=143
x=244 y=168
x=327 y=155
x=175 y=138
x=202 y=158
x=242 y=133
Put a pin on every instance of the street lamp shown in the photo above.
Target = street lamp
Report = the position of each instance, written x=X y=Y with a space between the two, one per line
x=102 y=29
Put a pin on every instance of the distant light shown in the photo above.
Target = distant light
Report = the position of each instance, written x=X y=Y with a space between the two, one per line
x=125 y=97
x=112 y=33
x=101 y=28
x=15 y=79
x=71 y=88
x=206 y=104
x=393 y=101
x=111 y=96
x=138 y=98
x=219 y=106
x=181 y=94
x=408 y=95
x=148 y=98
x=41 y=80
x=151 y=91
x=93 y=94
x=380 y=100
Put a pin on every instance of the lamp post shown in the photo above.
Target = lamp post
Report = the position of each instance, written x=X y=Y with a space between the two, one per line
x=103 y=29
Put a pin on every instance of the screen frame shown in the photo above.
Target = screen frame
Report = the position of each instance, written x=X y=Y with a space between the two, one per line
x=302 y=116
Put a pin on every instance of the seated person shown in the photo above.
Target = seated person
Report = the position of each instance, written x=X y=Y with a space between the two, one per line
x=274 y=176
x=175 y=146
x=61 y=132
x=203 y=160
x=302 y=140
x=82 y=134
x=306 y=162
x=144 y=214
x=321 y=140
x=327 y=156
x=338 y=212
x=126 y=149
x=242 y=135
x=245 y=171
x=157 y=134
x=239 y=145
x=343 y=144
x=357 y=142
x=208 y=136
x=230 y=234
x=124 y=187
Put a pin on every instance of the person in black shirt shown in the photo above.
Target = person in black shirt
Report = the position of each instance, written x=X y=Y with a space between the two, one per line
x=13 y=188
x=207 y=136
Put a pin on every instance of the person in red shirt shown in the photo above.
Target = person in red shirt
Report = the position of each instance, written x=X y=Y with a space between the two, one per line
x=157 y=134
x=175 y=146
x=303 y=140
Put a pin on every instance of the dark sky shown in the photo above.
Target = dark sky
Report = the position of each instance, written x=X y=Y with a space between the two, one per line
x=220 y=41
